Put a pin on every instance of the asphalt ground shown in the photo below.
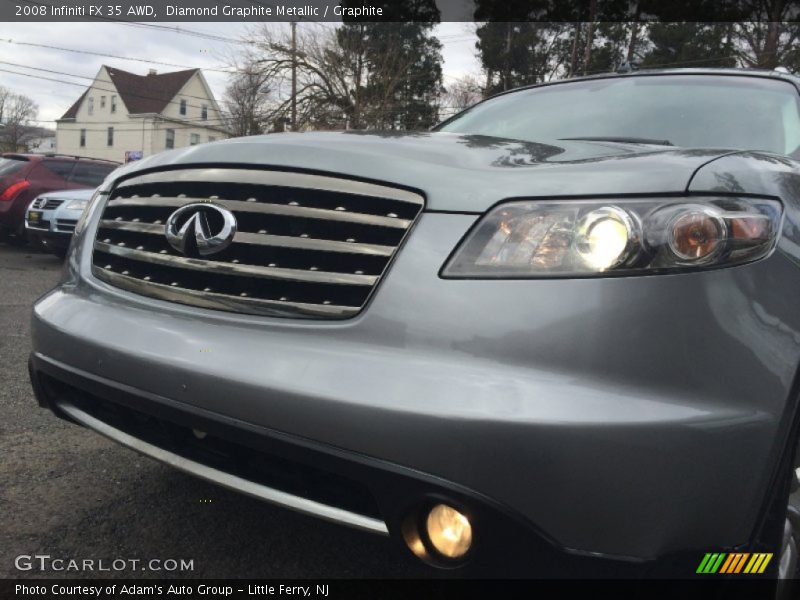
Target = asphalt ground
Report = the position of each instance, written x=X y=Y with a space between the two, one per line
x=69 y=493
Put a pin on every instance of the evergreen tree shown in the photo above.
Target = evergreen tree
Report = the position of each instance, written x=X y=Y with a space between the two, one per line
x=690 y=45
x=396 y=65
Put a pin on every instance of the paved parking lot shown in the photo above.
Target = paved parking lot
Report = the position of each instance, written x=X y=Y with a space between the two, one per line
x=69 y=493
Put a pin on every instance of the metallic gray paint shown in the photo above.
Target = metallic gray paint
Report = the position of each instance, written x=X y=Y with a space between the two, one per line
x=625 y=416
x=462 y=173
x=587 y=405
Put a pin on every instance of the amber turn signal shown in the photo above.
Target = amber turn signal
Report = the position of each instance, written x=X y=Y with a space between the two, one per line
x=697 y=235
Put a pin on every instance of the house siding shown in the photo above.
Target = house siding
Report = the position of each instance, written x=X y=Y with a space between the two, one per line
x=145 y=133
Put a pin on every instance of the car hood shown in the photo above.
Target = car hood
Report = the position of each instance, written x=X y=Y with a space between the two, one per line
x=456 y=172
x=82 y=194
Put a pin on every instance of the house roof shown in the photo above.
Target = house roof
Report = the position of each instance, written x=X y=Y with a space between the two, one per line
x=142 y=93
x=73 y=110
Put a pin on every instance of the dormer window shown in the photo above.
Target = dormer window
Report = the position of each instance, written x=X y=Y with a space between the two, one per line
x=183 y=107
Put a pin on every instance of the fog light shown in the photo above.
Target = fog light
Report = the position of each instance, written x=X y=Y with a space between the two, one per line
x=605 y=237
x=449 y=531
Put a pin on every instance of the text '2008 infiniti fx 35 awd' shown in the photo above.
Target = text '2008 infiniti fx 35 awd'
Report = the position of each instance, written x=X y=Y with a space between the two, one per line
x=565 y=321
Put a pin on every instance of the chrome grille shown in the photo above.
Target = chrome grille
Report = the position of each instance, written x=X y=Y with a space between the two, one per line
x=66 y=225
x=305 y=245
x=51 y=203
x=47 y=203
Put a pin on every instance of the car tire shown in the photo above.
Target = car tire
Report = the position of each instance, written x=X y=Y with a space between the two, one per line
x=18 y=237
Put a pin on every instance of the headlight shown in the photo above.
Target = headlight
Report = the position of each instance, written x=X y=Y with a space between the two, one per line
x=581 y=238
x=76 y=204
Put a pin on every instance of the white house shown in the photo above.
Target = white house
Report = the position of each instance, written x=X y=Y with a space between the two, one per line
x=42 y=141
x=123 y=113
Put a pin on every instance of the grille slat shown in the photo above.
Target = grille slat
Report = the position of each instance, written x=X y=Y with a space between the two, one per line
x=263 y=239
x=305 y=245
x=238 y=206
x=199 y=264
x=52 y=203
x=224 y=301
x=66 y=225
x=274 y=178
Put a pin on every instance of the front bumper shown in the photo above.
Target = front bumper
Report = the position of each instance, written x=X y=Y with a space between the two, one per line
x=630 y=417
x=52 y=240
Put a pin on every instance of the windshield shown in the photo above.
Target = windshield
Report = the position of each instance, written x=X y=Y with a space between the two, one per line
x=91 y=174
x=8 y=166
x=693 y=111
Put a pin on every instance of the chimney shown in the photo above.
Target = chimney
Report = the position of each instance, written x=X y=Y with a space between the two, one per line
x=152 y=72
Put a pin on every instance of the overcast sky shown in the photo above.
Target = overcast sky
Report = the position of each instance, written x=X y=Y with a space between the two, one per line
x=147 y=44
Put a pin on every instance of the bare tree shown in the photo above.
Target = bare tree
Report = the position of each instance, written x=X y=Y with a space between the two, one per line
x=4 y=94
x=246 y=101
x=771 y=39
x=462 y=93
x=342 y=82
x=17 y=114
x=325 y=93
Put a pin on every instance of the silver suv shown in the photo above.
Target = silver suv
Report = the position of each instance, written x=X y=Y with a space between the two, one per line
x=561 y=328
x=51 y=218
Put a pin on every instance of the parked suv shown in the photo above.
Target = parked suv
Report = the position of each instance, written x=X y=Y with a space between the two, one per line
x=561 y=329
x=25 y=176
x=51 y=218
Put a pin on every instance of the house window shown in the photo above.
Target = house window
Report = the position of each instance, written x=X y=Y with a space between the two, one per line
x=170 y=138
x=83 y=138
x=113 y=104
x=183 y=107
x=194 y=139
x=110 y=140
x=102 y=101
x=91 y=106
x=211 y=138
x=204 y=113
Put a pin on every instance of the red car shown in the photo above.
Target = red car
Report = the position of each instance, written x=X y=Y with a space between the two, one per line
x=25 y=176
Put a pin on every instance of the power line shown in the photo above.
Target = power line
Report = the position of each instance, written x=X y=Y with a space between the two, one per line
x=176 y=29
x=217 y=123
x=102 y=55
x=94 y=78
x=112 y=91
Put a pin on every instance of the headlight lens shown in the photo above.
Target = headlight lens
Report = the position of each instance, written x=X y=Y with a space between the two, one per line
x=76 y=205
x=606 y=238
x=580 y=238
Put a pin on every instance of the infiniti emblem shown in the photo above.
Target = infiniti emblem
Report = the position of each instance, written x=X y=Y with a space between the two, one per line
x=201 y=228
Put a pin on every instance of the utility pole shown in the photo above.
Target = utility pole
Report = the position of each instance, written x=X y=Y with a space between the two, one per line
x=507 y=69
x=294 y=76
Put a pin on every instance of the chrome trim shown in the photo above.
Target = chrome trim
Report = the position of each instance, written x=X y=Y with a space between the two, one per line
x=224 y=302
x=275 y=178
x=239 y=484
x=264 y=239
x=227 y=268
x=198 y=229
x=305 y=212
x=163 y=189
